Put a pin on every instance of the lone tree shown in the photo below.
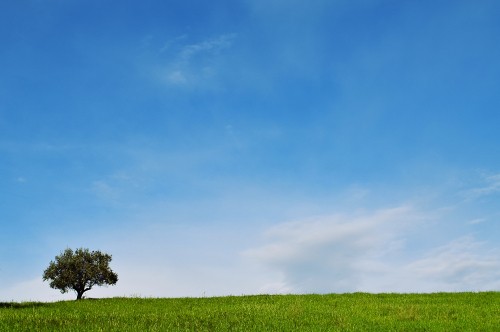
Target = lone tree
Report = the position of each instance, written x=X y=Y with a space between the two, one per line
x=80 y=271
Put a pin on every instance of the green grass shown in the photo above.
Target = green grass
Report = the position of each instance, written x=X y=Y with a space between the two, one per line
x=334 y=312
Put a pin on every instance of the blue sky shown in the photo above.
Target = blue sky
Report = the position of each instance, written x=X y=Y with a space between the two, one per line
x=244 y=147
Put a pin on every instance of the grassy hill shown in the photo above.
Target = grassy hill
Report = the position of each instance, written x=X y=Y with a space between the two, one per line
x=333 y=312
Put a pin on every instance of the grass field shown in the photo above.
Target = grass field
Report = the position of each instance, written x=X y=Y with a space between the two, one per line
x=334 y=312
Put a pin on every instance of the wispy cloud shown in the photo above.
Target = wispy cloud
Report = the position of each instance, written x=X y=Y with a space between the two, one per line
x=482 y=185
x=192 y=64
x=346 y=253
x=212 y=46
x=169 y=44
x=491 y=185
x=476 y=221
x=333 y=253
x=463 y=264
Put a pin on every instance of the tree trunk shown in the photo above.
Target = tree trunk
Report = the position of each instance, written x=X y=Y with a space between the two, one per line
x=79 y=295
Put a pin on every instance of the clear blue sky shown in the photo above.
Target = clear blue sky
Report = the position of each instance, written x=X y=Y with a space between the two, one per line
x=243 y=147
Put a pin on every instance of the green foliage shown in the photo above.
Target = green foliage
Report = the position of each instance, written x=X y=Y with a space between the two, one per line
x=334 y=312
x=80 y=271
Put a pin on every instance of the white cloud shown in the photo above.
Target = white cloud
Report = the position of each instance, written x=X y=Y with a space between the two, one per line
x=491 y=185
x=333 y=253
x=194 y=64
x=463 y=264
x=169 y=44
x=212 y=46
x=345 y=253
x=476 y=221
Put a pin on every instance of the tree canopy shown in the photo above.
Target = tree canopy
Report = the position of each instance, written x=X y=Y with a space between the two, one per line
x=80 y=270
